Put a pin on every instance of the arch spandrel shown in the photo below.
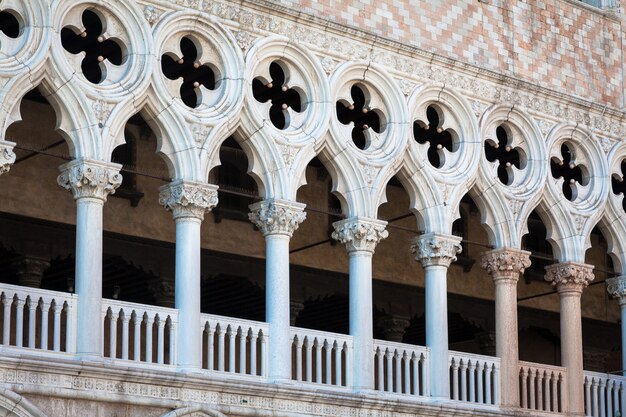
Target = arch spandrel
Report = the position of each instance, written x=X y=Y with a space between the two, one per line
x=15 y=405
x=570 y=219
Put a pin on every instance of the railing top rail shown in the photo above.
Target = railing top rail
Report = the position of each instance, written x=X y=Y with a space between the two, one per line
x=604 y=375
x=36 y=291
x=117 y=304
x=400 y=346
x=321 y=335
x=475 y=357
x=234 y=321
x=543 y=366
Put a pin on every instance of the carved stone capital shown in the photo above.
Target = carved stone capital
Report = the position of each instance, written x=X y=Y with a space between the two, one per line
x=436 y=249
x=569 y=276
x=188 y=199
x=360 y=234
x=29 y=270
x=90 y=179
x=7 y=156
x=277 y=217
x=505 y=263
x=393 y=327
x=617 y=288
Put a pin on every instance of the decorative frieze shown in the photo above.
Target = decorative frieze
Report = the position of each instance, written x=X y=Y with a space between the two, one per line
x=505 y=263
x=277 y=216
x=568 y=276
x=360 y=234
x=90 y=179
x=7 y=156
x=436 y=249
x=188 y=199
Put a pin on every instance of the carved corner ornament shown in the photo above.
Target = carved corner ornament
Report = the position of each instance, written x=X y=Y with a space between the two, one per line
x=360 y=234
x=434 y=249
x=617 y=288
x=7 y=156
x=277 y=217
x=88 y=178
x=188 y=199
x=569 y=276
x=505 y=263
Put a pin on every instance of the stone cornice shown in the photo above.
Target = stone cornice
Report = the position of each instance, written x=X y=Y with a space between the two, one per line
x=277 y=217
x=7 y=156
x=617 y=288
x=188 y=199
x=505 y=263
x=569 y=276
x=90 y=179
x=360 y=234
x=434 y=249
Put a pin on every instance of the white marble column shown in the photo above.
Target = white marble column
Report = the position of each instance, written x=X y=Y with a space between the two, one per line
x=505 y=266
x=361 y=235
x=436 y=252
x=617 y=288
x=90 y=182
x=188 y=201
x=277 y=220
x=7 y=156
x=569 y=279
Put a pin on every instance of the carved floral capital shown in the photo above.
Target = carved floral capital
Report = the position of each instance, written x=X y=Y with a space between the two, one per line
x=90 y=179
x=188 y=199
x=7 y=156
x=569 y=276
x=436 y=249
x=617 y=288
x=360 y=234
x=277 y=217
x=505 y=263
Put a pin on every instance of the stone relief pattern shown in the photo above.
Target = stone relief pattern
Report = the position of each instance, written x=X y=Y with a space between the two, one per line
x=495 y=262
x=7 y=158
x=436 y=249
x=90 y=179
x=569 y=274
x=273 y=217
x=186 y=199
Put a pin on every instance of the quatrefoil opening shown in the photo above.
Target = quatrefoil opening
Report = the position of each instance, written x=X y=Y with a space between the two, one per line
x=571 y=172
x=435 y=136
x=194 y=74
x=281 y=95
x=11 y=24
x=359 y=113
x=618 y=184
x=94 y=45
x=501 y=151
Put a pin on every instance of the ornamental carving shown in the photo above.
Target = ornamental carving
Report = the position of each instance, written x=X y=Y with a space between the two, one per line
x=569 y=275
x=7 y=156
x=359 y=234
x=434 y=249
x=617 y=288
x=187 y=199
x=90 y=179
x=505 y=263
x=277 y=217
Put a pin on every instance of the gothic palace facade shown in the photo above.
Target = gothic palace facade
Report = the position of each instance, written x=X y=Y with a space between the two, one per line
x=312 y=208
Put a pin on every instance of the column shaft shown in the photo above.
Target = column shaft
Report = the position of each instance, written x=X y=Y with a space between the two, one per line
x=622 y=307
x=437 y=329
x=361 y=321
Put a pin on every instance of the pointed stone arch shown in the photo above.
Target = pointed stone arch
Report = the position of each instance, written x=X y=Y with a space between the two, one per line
x=16 y=405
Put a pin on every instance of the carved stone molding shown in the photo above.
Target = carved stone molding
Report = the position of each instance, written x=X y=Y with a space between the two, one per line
x=617 y=288
x=277 y=217
x=90 y=179
x=505 y=263
x=436 y=249
x=360 y=234
x=188 y=199
x=569 y=276
x=7 y=156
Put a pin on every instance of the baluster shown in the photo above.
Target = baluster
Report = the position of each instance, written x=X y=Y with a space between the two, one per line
x=602 y=391
x=488 y=374
x=137 y=319
x=531 y=389
x=160 y=340
x=406 y=360
x=425 y=361
x=243 y=340
x=594 y=397
x=455 y=380
x=318 y=361
x=149 y=326
x=32 y=316
x=617 y=390
x=298 y=345
x=348 y=364
x=587 y=396
x=69 y=328
x=338 y=373
x=463 y=367
x=610 y=384
x=56 y=337
x=397 y=372
x=125 y=336
x=45 y=310
x=472 y=381
x=389 y=374
x=232 y=336
x=496 y=385
x=7 y=302
x=540 y=378
x=19 y=322
x=308 y=360
x=555 y=392
x=220 y=347
x=380 y=384
x=523 y=388
x=329 y=364
x=479 y=382
x=172 y=333
x=253 y=343
x=210 y=348
x=112 y=334
x=263 y=354
x=416 y=374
